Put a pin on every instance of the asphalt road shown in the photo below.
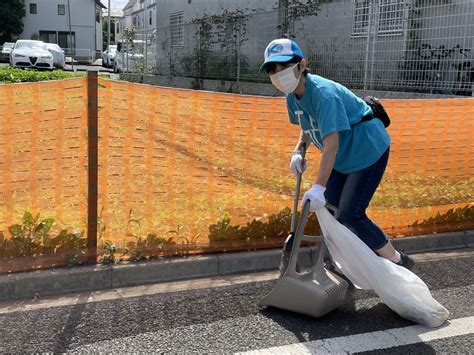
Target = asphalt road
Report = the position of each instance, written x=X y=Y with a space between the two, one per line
x=221 y=315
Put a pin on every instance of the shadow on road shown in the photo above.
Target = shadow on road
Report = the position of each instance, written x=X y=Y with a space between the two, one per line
x=357 y=316
x=64 y=338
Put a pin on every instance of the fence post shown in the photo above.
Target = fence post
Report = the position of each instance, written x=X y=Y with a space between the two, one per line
x=93 y=164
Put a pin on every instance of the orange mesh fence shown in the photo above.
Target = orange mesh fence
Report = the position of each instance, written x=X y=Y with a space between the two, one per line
x=191 y=170
x=175 y=162
x=429 y=183
x=43 y=151
x=43 y=172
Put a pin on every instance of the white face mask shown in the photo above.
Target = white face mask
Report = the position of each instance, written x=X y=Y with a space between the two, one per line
x=285 y=80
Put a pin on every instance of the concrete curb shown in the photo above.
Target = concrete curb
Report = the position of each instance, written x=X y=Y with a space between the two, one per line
x=41 y=283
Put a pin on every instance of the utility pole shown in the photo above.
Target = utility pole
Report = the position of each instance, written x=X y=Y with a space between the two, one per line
x=108 y=27
x=145 y=49
x=70 y=31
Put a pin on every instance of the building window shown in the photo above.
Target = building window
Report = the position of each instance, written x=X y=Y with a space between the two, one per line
x=48 y=36
x=361 y=17
x=67 y=41
x=61 y=10
x=151 y=18
x=177 y=29
x=33 y=9
x=97 y=14
x=391 y=16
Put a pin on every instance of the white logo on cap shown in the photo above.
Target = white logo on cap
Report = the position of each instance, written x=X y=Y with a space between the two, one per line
x=276 y=48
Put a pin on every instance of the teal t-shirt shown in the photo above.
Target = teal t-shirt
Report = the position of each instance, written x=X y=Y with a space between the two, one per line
x=328 y=107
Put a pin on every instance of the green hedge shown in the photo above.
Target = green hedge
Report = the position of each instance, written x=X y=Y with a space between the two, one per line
x=9 y=74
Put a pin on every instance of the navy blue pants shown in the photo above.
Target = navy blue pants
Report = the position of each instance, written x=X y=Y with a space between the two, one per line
x=352 y=193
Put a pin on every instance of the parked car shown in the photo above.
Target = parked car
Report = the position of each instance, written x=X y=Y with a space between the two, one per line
x=129 y=56
x=31 y=54
x=108 y=56
x=6 y=50
x=59 y=58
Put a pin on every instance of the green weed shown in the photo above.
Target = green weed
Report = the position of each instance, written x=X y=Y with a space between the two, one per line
x=9 y=74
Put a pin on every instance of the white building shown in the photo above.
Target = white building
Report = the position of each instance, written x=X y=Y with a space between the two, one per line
x=141 y=14
x=77 y=30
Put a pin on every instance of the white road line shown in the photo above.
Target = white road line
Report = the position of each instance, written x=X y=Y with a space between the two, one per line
x=375 y=340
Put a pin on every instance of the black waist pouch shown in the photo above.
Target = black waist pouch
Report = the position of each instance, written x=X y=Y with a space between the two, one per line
x=377 y=109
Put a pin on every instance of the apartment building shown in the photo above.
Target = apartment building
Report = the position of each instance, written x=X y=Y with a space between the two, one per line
x=76 y=26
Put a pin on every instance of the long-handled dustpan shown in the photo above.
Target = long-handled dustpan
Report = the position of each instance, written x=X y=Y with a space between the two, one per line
x=288 y=244
x=314 y=292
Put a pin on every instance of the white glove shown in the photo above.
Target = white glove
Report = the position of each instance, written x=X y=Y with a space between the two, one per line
x=297 y=164
x=316 y=195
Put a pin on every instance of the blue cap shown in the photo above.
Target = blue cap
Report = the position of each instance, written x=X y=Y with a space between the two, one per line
x=281 y=50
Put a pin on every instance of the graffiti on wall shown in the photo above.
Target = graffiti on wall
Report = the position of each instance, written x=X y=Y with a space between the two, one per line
x=441 y=69
x=426 y=51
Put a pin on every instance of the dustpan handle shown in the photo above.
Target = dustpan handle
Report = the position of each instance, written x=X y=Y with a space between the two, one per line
x=297 y=193
x=298 y=237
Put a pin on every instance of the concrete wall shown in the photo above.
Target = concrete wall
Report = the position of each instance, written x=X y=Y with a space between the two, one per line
x=256 y=88
x=88 y=33
x=259 y=31
x=196 y=8
x=366 y=61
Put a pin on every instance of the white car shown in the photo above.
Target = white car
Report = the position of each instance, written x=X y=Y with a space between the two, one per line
x=129 y=56
x=31 y=54
x=59 y=59
x=108 y=56
x=6 y=50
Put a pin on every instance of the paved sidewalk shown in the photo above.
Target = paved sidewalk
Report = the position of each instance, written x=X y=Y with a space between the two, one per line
x=35 y=284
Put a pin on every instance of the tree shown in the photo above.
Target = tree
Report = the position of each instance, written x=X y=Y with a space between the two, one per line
x=11 y=20
x=105 y=31
x=227 y=30
x=201 y=53
x=129 y=34
x=231 y=31
x=291 y=11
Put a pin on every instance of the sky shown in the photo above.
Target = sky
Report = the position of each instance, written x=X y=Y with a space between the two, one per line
x=115 y=4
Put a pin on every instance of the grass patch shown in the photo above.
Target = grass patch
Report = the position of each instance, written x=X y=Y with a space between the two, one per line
x=9 y=74
x=397 y=192
x=414 y=191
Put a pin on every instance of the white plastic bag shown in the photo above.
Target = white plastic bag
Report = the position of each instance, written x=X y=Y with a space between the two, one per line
x=400 y=289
